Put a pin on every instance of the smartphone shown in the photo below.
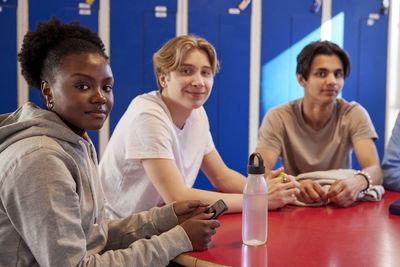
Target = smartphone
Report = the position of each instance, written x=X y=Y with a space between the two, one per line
x=217 y=208
x=394 y=208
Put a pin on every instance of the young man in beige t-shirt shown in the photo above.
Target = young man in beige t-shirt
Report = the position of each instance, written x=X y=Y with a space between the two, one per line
x=319 y=131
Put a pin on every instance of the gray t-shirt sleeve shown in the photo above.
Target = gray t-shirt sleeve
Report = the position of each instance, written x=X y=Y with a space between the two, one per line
x=270 y=132
x=360 y=124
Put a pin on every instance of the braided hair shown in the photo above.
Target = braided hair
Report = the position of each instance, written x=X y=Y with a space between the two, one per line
x=44 y=49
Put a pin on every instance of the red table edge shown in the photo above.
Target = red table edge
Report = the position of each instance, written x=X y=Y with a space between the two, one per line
x=188 y=260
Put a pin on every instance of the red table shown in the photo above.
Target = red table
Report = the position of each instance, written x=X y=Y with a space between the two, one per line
x=365 y=234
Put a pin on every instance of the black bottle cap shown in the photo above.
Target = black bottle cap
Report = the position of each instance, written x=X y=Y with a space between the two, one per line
x=256 y=169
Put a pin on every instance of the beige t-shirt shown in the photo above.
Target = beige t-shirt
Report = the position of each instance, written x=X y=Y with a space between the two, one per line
x=304 y=149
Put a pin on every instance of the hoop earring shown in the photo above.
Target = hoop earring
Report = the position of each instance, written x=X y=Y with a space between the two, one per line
x=50 y=104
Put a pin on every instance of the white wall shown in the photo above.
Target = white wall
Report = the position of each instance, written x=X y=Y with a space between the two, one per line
x=393 y=64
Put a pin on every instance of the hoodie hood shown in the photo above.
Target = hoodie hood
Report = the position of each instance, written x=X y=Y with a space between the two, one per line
x=30 y=120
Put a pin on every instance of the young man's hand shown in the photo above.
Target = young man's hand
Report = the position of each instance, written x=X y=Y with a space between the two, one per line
x=312 y=192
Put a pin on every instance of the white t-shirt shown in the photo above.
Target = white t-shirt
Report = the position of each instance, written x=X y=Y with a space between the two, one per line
x=146 y=131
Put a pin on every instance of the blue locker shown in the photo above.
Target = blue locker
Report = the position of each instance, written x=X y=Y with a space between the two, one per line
x=228 y=105
x=372 y=75
x=287 y=26
x=66 y=11
x=136 y=34
x=367 y=46
x=233 y=91
x=8 y=56
x=153 y=40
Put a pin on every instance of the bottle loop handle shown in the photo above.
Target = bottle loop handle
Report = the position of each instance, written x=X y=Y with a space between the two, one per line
x=256 y=169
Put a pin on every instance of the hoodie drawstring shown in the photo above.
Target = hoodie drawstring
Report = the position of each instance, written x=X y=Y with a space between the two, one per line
x=92 y=188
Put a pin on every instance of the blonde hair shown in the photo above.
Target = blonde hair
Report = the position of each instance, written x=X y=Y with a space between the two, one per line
x=169 y=57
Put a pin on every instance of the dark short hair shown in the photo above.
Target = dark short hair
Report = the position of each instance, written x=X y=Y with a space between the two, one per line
x=44 y=49
x=306 y=56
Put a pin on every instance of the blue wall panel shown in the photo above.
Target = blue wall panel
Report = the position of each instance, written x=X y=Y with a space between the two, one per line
x=367 y=46
x=156 y=31
x=228 y=106
x=233 y=91
x=287 y=26
x=135 y=35
x=372 y=75
x=66 y=11
x=8 y=55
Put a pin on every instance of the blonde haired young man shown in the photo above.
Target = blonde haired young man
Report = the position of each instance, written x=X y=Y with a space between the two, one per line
x=164 y=139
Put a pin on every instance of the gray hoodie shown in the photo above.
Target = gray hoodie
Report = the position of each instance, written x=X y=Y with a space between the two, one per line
x=52 y=204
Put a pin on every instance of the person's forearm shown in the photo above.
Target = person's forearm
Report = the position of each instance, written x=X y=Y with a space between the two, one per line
x=391 y=179
x=375 y=172
x=233 y=201
x=122 y=232
x=390 y=170
x=230 y=181
x=391 y=167
x=154 y=251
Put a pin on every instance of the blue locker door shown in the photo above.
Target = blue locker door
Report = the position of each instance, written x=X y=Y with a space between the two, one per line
x=228 y=105
x=136 y=33
x=8 y=55
x=287 y=26
x=156 y=32
x=367 y=46
x=372 y=75
x=66 y=11
x=86 y=18
x=233 y=91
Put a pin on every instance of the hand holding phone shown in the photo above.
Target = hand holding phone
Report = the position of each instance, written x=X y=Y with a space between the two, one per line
x=217 y=208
